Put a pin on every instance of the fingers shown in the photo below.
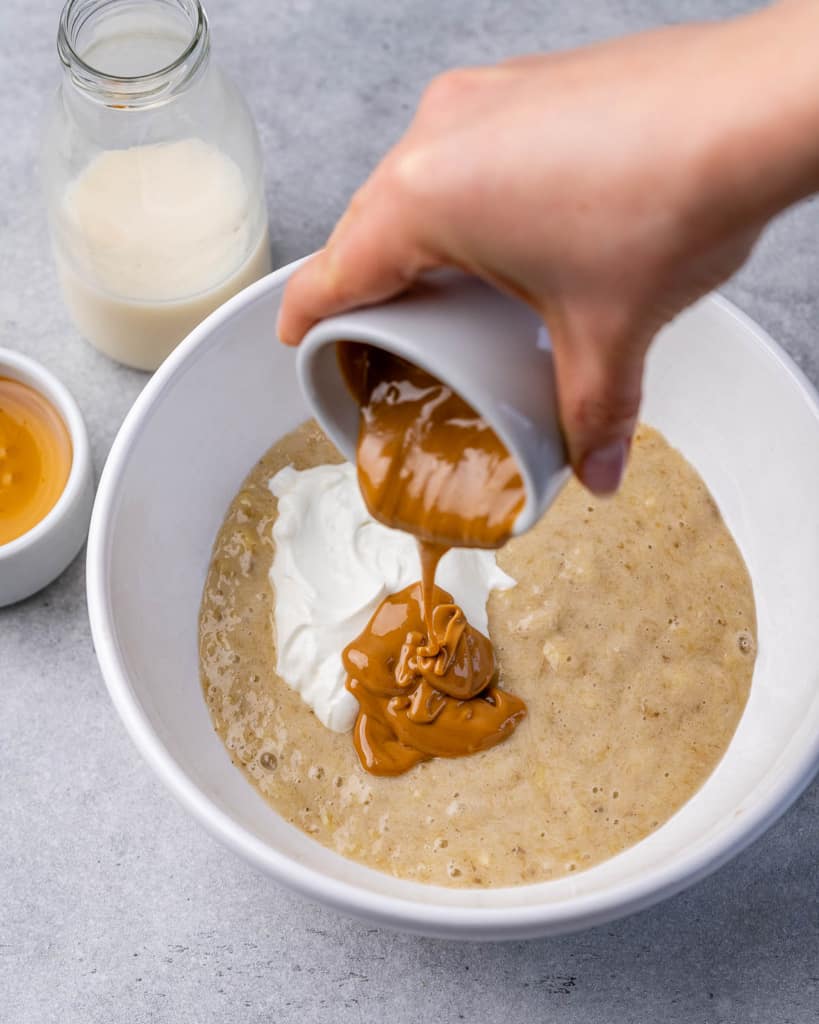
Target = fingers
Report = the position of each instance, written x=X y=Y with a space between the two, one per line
x=373 y=254
x=599 y=383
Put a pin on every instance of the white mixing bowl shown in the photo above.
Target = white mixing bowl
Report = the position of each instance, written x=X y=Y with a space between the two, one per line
x=718 y=388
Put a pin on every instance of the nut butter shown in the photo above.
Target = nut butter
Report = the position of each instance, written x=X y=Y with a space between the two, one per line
x=427 y=462
x=438 y=698
x=431 y=465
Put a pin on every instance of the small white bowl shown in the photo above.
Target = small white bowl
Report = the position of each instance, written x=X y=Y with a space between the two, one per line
x=492 y=349
x=719 y=389
x=30 y=562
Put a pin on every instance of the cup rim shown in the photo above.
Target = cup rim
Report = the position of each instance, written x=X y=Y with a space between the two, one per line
x=428 y=917
x=28 y=371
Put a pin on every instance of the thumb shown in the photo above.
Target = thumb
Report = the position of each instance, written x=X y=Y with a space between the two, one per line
x=599 y=385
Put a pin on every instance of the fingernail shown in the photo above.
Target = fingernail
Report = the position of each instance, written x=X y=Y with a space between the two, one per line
x=602 y=469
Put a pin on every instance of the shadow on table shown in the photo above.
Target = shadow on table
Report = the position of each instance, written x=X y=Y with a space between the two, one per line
x=741 y=946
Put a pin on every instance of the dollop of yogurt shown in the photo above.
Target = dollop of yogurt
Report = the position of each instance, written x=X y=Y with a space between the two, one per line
x=333 y=566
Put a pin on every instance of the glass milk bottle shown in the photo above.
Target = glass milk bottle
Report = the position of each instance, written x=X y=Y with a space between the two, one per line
x=153 y=177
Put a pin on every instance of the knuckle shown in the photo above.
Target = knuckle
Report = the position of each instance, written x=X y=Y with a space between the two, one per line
x=338 y=290
x=337 y=287
x=408 y=173
x=603 y=413
x=449 y=88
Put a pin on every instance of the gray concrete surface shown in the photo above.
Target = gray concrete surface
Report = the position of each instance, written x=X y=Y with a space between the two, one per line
x=114 y=905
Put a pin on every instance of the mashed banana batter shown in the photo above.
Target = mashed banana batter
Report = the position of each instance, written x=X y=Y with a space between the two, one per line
x=631 y=636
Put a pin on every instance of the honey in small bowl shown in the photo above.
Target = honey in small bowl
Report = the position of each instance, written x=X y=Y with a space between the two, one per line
x=35 y=458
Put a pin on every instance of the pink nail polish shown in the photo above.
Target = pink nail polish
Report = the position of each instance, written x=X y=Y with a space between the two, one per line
x=603 y=468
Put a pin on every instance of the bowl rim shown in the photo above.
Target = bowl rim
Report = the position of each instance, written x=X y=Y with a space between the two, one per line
x=54 y=391
x=428 y=917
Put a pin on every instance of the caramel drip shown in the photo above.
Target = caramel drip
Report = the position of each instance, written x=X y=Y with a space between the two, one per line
x=427 y=462
x=429 y=555
x=424 y=695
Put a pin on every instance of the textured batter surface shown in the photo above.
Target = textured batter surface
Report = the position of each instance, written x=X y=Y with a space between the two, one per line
x=108 y=905
x=630 y=635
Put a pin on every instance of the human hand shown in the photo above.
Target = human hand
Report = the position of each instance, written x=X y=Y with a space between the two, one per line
x=607 y=187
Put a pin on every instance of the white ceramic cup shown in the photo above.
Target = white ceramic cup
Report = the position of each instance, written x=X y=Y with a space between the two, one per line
x=30 y=562
x=491 y=349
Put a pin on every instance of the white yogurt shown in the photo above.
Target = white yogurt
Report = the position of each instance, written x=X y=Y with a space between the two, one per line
x=333 y=566
x=159 y=236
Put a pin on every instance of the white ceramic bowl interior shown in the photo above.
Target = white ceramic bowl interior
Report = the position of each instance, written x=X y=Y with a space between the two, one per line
x=30 y=562
x=718 y=388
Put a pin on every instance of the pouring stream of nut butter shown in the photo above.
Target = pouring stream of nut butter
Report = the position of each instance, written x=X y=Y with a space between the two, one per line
x=425 y=680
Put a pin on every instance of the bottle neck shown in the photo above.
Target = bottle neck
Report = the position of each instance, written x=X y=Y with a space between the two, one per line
x=130 y=54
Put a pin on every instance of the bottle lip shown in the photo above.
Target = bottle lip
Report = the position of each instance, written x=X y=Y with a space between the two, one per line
x=125 y=91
